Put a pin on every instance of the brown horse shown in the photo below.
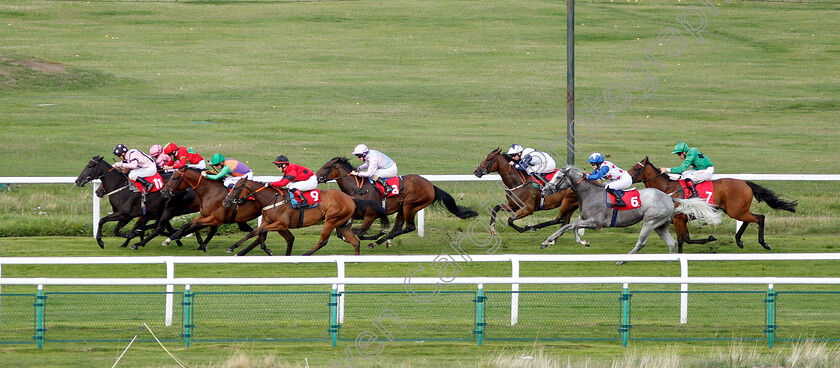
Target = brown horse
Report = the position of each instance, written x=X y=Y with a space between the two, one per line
x=416 y=193
x=733 y=196
x=523 y=197
x=211 y=193
x=335 y=209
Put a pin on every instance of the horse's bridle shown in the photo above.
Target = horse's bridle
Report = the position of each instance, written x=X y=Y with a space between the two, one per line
x=486 y=171
x=642 y=172
x=253 y=194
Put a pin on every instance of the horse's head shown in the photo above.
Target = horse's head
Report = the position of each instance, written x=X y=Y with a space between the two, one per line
x=95 y=169
x=643 y=171
x=239 y=189
x=335 y=168
x=491 y=163
x=563 y=180
x=175 y=184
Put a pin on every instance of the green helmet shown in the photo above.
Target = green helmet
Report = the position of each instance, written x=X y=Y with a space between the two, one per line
x=217 y=159
x=680 y=148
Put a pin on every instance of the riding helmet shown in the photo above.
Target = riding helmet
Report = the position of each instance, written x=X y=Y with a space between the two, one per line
x=281 y=160
x=514 y=149
x=217 y=159
x=360 y=149
x=680 y=148
x=596 y=158
x=120 y=149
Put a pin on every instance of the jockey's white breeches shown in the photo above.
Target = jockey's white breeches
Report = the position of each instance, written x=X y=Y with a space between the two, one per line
x=698 y=176
x=142 y=172
x=304 y=185
x=230 y=181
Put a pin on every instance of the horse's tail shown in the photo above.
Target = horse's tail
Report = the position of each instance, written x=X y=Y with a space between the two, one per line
x=766 y=195
x=449 y=203
x=698 y=208
x=363 y=205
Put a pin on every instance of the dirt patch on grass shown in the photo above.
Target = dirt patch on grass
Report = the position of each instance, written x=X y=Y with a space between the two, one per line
x=43 y=66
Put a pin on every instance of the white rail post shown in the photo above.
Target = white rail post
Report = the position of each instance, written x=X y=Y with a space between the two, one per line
x=339 y=263
x=514 y=291
x=421 y=222
x=96 y=209
x=683 y=291
x=170 y=274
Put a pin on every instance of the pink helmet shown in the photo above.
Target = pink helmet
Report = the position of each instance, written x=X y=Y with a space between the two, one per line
x=155 y=151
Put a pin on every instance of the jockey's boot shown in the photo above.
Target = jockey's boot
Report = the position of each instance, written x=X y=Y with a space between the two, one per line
x=146 y=185
x=690 y=184
x=384 y=185
x=619 y=202
x=299 y=194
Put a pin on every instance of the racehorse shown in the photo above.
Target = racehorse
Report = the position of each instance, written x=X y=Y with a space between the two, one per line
x=656 y=210
x=126 y=204
x=210 y=194
x=335 y=208
x=415 y=193
x=733 y=196
x=523 y=197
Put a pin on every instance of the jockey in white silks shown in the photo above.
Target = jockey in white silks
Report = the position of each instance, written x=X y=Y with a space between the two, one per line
x=140 y=164
x=377 y=166
x=533 y=162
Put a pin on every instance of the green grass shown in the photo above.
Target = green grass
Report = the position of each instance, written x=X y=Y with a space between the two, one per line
x=434 y=84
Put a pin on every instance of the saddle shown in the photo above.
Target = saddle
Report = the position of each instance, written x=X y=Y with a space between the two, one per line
x=630 y=197
x=548 y=177
x=395 y=183
x=311 y=197
x=156 y=180
x=704 y=189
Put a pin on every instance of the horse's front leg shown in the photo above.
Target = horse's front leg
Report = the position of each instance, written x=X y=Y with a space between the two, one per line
x=121 y=221
x=243 y=240
x=494 y=213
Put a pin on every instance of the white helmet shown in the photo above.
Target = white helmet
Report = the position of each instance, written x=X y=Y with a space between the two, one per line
x=514 y=149
x=360 y=149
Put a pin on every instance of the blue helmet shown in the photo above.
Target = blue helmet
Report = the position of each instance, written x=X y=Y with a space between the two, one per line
x=596 y=158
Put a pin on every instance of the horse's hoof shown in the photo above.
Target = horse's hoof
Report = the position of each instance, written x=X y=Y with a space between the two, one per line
x=585 y=243
x=546 y=244
x=619 y=263
x=268 y=251
x=766 y=246
x=133 y=247
x=712 y=238
x=371 y=245
x=493 y=231
x=740 y=244
x=101 y=244
x=530 y=228
x=388 y=244
x=166 y=242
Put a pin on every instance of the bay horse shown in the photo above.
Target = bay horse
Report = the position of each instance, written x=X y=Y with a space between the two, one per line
x=523 y=196
x=733 y=196
x=210 y=194
x=335 y=209
x=655 y=212
x=416 y=193
x=126 y=204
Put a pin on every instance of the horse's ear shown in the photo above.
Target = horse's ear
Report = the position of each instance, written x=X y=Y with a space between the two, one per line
x=646 y=159
x=97 y=157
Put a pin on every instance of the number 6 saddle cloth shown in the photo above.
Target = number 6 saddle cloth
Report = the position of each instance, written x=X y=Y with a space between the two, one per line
x=630 y=196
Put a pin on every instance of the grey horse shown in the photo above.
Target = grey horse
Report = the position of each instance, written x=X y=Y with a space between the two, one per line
x=656 y=210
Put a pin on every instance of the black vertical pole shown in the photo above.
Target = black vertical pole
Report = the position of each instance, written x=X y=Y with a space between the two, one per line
x=570 y=82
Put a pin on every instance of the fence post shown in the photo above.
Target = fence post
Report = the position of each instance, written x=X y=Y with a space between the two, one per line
x=479 y=314
x=514 y=292
x=771 y=315
x=39 y=315
x=96 y=210
x=340 y=273
x=170 y=289
x=625 y=316
x=421 y=223
x=334 y=325
x=683 y=291
x=187 y=315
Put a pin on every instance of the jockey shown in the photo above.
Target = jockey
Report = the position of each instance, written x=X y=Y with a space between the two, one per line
x=183 y=156
x=701 y=167
x=377 y=165
x=229 y=169
x=161 y=160
x=533 y=162
x=620 y=179
x=297 y=177
x=140 y=164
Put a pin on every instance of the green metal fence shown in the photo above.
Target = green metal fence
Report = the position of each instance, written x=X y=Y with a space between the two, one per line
x=475 y=315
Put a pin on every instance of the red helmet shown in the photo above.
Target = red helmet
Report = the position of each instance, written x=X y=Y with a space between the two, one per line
x=171 y=147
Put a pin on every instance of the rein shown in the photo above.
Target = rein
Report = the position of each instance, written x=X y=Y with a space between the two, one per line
x=274 y=200
x=519 y=173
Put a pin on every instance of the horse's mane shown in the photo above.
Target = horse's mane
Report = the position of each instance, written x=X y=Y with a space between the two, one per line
x=344 y=161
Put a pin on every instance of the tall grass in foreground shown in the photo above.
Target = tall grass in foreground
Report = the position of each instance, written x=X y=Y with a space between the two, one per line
x=797 y=355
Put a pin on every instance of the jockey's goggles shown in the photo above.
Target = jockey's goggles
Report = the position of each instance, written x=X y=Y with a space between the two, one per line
x=360 y=155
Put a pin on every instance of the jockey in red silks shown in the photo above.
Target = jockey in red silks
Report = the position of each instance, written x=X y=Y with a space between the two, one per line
x=140 y=164
x=182 y=156
x=295 y=177
x=161 y=160
x=377 y=166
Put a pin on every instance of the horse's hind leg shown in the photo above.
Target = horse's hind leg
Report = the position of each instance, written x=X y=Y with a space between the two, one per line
x=259 y=240
x=350 y=238
x=665 y=235
x=290 y=240
x=202 y=246
x=760 y=223
x=681 y=228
